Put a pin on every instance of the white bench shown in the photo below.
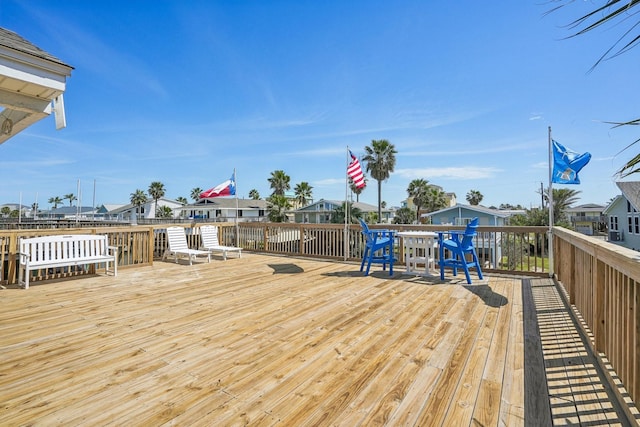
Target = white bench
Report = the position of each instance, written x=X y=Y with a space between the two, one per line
x=64 y=251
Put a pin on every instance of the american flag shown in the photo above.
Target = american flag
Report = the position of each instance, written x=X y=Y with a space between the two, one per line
x=354 y=170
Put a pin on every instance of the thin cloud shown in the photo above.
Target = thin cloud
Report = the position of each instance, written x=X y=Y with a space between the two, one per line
x=468 y=172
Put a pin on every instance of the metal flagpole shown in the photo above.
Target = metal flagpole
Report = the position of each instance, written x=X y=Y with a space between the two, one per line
x=550 y=195
x=235 y=185
x=346 y=209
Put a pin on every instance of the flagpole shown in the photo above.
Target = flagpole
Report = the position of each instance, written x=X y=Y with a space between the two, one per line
x=551 y=219
x=235 y=184
x=346 y=209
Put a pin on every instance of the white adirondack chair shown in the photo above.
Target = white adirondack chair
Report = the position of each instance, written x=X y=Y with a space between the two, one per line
x=178 y=246
x=211 y=243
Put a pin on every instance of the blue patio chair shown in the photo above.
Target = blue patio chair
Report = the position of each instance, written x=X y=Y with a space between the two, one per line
x=378 y=248
x=459 y=245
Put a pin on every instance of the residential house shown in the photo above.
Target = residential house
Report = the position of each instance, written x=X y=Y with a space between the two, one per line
x=488 y=244
x=462 y=214
x=227 y=209
x=588 y=219
x=623 y=216
x=131 y=213
x=322 y=211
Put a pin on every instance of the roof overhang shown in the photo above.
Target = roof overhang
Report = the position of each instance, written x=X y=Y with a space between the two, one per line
x=32 y=84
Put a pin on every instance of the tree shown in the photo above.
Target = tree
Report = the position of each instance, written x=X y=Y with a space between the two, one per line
x=435 y=199
x=182 y=200
x=563 y=198
x=355 y=190
x=339 y=214
x=138 y=198
x=404 y=215
x=474 y=197
x=195 y=193
x=5 y=211
x=277 y=206
x=55 y=201
x=279 y=182
x=303 y=193
x=381 y=161
x=164 y=212
x=156 y=191
x=71 y=197
x=617 y=13
x=418 y=189
x=254 y=195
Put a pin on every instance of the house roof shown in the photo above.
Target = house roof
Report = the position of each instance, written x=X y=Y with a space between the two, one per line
x=615 y=201
x=14 y=41
x=364 y=207
x=30 y=80
x=631 y=191
x=479 y=209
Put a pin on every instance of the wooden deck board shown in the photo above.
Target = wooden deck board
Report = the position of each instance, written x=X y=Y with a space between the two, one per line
x=267 y=341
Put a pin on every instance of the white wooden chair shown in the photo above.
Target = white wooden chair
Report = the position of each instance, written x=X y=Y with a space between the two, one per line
x=210 y=242
x=177 y=246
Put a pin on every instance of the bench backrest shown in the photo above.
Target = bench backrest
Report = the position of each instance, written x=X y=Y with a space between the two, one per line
x=61 y=247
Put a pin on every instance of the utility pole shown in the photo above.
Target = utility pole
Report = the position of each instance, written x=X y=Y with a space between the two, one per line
x=542 y=194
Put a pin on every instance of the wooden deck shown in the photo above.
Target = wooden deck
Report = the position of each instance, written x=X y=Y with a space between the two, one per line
x=278 y=341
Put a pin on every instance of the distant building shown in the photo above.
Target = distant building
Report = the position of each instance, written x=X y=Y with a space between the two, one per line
x=323 y=210
x=588 y=219
x=462 y=214
x=225 y=209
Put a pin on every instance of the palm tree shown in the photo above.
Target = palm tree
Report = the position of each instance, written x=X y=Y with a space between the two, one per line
x=435 y=199
x=418 y=189
x=164 y=212
x=55 y=201
x=303 y=193
x=182 y=200
x=71 y=197
x=381 y=161
x=617 y=13
x=279 y=182
x=195 y=193
x=563 y=198
x=138 y=198
x=254 y=195
x=355 y=190
x=403 y=215
x=339 y=213
x=156 y=191
x=277 y=206
x=474 y=197
x=5 y=211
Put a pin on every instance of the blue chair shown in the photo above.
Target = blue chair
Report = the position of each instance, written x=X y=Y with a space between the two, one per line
x=459 y=244
x=378 y=248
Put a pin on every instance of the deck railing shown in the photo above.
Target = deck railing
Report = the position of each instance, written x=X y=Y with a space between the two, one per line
x=506 y=249
x=601 y=281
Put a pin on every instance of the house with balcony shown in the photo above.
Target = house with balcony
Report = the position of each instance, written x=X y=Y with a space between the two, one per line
x=226 y=209
x=322 y=211
x=588 y=219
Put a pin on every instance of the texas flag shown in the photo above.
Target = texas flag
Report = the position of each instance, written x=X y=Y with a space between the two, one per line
x=227 y=188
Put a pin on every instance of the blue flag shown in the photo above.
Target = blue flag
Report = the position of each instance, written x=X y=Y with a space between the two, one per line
x=567 y=164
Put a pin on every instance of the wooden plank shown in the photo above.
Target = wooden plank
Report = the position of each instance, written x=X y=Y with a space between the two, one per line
x=264 y=340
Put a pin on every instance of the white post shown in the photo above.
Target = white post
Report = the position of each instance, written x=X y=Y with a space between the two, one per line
x=551 y=219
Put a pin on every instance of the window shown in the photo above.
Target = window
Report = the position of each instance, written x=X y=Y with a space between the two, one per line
x=636 y=223
x=630 y=224
x=613 y=223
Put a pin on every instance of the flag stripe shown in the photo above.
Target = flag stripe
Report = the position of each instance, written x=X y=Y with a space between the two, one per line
x=354 y=170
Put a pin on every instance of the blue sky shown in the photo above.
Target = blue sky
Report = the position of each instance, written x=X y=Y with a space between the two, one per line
x=183 y=92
